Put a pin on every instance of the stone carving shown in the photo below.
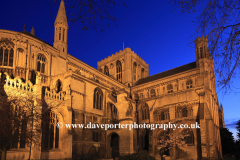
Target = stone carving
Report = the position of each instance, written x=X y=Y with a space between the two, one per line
x=78 y=72
x=19 y=37
x=38 y=78
x=130 y=109
x=6 y=42
x=44 y=46
x=111 y=65
x=68 y=90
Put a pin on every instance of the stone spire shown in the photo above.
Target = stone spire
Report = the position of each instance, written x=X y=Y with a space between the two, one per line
x=61 y=31
x=61 y=15
x=33 y=31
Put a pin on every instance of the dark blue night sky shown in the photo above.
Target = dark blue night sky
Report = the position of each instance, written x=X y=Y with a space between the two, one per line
x=159 y=36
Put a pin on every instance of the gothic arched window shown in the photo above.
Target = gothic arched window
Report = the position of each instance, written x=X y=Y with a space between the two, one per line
x=201 y=52
x=41 y=63
x=98 y=99
x=63 y=33
x=6 y=55
x=96 y=135
x=189 y=84
x=162 y=116
x=106 y=70
x=184 y=112
x=170 y=88
x=119 y=71
x=134 y=71
x=188 y=136
x=19 y=136
x=1 y=56
x=58 y=86
x=145 y=112
x=50 y=130
x=112 y=111
x=60 y=31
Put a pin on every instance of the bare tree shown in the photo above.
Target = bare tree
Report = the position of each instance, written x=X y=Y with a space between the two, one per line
x=19 y=121
x=22 y=113
x=92 y=14
x=219 y=19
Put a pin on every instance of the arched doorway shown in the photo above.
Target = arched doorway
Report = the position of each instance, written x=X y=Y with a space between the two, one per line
x=114 y=143
x=144 y=140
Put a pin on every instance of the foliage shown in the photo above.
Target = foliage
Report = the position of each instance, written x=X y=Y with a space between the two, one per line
x=92 y=13
x=238 y=141
x=227 y=141
x=142 y=155
x=219 y=19
x=238 y=150
x=238 y=129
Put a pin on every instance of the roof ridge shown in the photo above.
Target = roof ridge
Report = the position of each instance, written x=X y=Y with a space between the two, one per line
x=167 y=73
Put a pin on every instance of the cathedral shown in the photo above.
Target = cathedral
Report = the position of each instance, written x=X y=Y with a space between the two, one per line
x=119 y=91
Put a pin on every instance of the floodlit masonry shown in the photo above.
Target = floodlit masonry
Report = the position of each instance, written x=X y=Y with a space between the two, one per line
x=73 y=92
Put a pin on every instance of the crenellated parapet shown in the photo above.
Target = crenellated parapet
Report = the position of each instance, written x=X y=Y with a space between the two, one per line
x=125 y=66
x=119 y=55
x=201 y=47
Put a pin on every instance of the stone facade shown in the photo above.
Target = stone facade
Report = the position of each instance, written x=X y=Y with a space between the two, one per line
x=120 y=90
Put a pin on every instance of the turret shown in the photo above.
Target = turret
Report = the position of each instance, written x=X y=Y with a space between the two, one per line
x=201 y=46
x=61 y=31
x=204 y=63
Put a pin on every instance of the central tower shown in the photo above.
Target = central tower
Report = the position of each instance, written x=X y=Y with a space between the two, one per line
x=124 y=66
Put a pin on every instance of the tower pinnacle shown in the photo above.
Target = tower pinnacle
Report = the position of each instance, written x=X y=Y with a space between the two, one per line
x=61 y=31
x=61 y=15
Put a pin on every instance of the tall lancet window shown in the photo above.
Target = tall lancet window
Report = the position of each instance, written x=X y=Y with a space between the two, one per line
x=6 y=52
x=106 y=70
x=98 y=99
x=50 y=130
x=6 y=56
x=201 y=52
x=56 y=34
x=145 y=112
x=119 y=70
x=63 y=33
x=41 y=63
x=134 y=71
x=1 y=56
x=60 y=30
x=142 y=73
